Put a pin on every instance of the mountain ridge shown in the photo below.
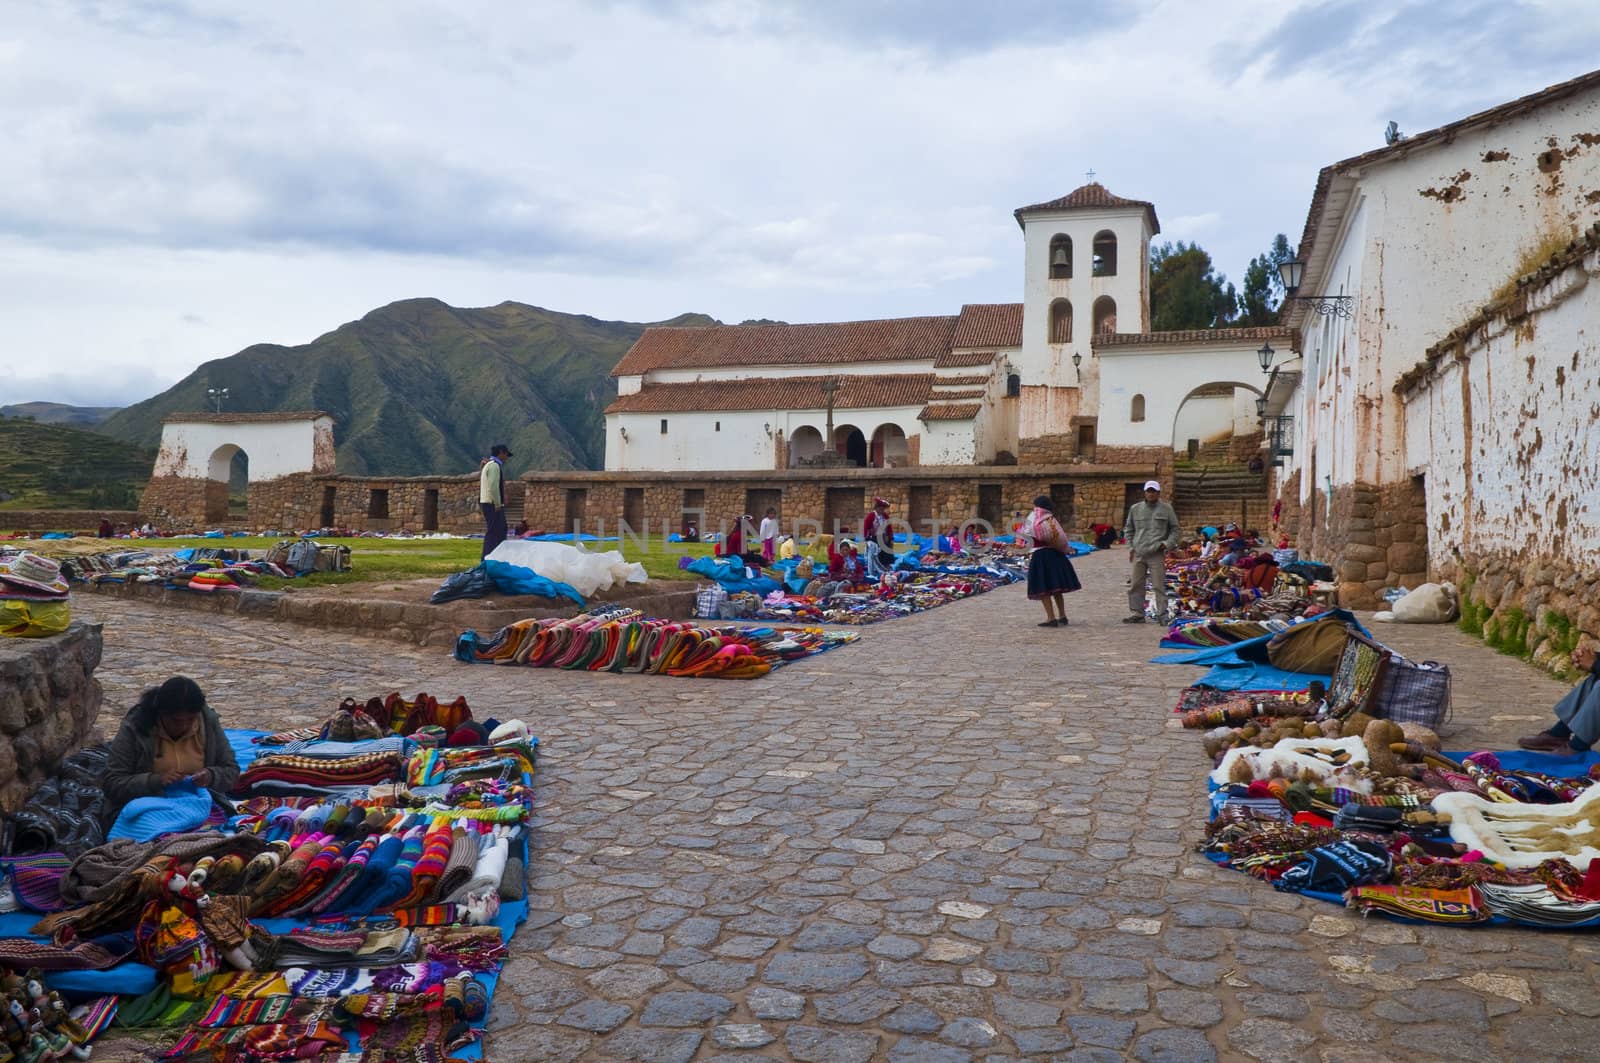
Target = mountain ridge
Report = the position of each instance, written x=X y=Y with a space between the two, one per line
x=418 y=386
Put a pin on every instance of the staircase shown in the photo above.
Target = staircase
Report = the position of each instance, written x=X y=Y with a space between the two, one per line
x=1216 y=491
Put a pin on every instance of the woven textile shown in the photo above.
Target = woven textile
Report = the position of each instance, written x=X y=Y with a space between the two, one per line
x=23 y=953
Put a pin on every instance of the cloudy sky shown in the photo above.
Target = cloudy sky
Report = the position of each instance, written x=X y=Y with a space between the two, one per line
x=179 y=180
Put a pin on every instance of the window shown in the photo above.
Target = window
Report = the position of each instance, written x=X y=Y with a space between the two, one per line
x=1105 y=315
x=1105 y=253
x=1137 y=413
x=378 y=503
x=1061 y=321
x=663 y=426
x=1060 y=257
x=1013 y=385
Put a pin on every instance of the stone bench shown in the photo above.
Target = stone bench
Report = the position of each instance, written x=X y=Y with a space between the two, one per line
x=49 y=701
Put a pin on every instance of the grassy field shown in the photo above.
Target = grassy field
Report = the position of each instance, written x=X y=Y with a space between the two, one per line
x=396 y=559
x=53 y=466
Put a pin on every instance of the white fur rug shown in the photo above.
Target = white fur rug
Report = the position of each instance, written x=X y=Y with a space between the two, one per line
x=1289 y=759
x=1522 y=836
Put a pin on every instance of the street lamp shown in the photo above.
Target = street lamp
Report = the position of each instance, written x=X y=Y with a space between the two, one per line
x=1077 y=364
x=1292 y=273
x=1261 y=408
x=1264 y=356
x=218 y=396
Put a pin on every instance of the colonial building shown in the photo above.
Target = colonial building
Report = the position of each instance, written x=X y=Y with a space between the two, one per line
x=1071 y=373
x=1440 y=418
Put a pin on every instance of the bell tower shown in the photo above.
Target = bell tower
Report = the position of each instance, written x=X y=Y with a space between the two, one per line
x=1085 y=270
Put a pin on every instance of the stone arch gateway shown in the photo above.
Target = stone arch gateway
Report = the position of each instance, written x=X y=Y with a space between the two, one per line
x=189 y=486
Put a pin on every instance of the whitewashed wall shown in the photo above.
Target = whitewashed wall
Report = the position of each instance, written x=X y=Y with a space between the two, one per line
x=203 y=449
x=1431 y=235
x=1166 y=375
x=1510 y=459
x=731 y=440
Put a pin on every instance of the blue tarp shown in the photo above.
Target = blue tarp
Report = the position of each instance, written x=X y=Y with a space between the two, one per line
x=731 y=574
x=1232 y=670
x=514 y=579
x=567 y=537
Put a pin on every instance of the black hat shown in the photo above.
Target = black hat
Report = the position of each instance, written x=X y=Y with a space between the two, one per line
x=501 y=448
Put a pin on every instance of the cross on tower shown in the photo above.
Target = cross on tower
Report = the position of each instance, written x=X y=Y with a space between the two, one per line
x=1090 y=176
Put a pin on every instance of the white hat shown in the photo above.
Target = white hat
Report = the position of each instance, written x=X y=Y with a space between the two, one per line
x=1152 y=485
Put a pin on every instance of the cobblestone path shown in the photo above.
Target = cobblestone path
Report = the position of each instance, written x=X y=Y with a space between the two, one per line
x=964 y=837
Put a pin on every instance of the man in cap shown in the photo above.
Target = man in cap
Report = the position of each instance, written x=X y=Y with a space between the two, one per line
x=1151 y=530
x=492 y=497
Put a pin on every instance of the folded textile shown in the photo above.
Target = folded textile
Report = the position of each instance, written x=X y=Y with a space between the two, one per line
x=1536 y=904
x=22 y=953
x=458 y=869
x=1428 y=905
x=486 y=875
x=183 y=807
x=1336 y=867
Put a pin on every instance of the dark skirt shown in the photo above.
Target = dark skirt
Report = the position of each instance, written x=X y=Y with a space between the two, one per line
x=1049 y=572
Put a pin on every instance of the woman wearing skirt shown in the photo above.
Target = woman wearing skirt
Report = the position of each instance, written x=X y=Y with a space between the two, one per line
x=1050 y=573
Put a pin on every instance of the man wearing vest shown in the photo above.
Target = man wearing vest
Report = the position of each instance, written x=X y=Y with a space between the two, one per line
x=492 y=497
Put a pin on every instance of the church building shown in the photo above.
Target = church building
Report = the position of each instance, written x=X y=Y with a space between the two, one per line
x=1070 y=374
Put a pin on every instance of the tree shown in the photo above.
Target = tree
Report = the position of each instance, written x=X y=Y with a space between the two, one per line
x=1263 y=286
x=1185 y=291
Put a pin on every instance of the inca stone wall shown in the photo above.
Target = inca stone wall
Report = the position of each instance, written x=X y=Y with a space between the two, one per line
x=1536 y=607
x=79 y=520
x=49 y=701
x=1374 y=537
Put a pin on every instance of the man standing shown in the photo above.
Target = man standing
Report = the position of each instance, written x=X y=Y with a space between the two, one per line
x=1151 y=530
x=492 y=497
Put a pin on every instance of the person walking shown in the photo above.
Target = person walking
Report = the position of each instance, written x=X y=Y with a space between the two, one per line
x=1151 y=530
x=492 y=497
x=1050 y=571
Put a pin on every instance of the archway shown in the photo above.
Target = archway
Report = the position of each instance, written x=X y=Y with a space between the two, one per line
x=804 y=444
x=227 y=485
x=1214 y=412
x=849 y=441
x=888 y=447
x=1105 y=315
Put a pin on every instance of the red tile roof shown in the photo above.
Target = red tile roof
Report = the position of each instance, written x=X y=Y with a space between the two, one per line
x=967 y=379
x=989 y=325
x=947 y=360
x=949 y=411
x=946 y=396
x=1092 y=196
x=1193 y=337
x=777 y=393
x=727 y=346
x=243 y=418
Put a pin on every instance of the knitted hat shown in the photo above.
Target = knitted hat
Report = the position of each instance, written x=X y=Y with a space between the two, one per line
x=470 y=733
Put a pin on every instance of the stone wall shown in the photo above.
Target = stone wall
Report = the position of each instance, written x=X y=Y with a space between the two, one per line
x=1536 y=607
x=175 y=502
x=597 y=502
x=1374 y=537
x=49 y=701
x=66 y=520
x=1288 y=492
x=406 y=621
x=1241 y=448
x=1056 y=449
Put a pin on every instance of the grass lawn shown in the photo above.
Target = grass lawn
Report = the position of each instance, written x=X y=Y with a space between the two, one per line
x=388 y=559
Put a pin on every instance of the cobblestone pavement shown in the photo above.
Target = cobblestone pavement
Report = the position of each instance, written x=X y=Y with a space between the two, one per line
x=964 y=837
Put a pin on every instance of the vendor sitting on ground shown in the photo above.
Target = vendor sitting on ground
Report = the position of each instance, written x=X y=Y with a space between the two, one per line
x=1577 y=725
x=169 y=736
x=845 y=564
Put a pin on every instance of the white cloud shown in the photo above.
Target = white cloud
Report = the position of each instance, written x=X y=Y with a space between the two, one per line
x=304 y=162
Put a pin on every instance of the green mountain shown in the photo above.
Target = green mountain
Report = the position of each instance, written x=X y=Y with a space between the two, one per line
x=59 y=413
x=52 y=466
x=420 y=387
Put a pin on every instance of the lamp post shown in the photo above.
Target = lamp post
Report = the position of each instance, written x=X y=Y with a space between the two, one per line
x=1077 y=365
x=1264 y=356
x=1261 y=408
x=218 y=396
x=1292 y=272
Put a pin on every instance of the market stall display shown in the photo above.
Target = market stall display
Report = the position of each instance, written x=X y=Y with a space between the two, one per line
x=367 y=916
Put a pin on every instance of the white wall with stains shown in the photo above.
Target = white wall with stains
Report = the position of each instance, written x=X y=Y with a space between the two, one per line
x=1429 y=235
x=1507 y=433
x=203 y=448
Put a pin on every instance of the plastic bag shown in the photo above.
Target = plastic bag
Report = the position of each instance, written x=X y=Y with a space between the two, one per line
x=1431 y=603
x=473 y=583
x=584 y=571
x=33 y=620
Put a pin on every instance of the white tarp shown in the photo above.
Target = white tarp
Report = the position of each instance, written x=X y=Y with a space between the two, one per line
x=1431 y=603
x=584 y=571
